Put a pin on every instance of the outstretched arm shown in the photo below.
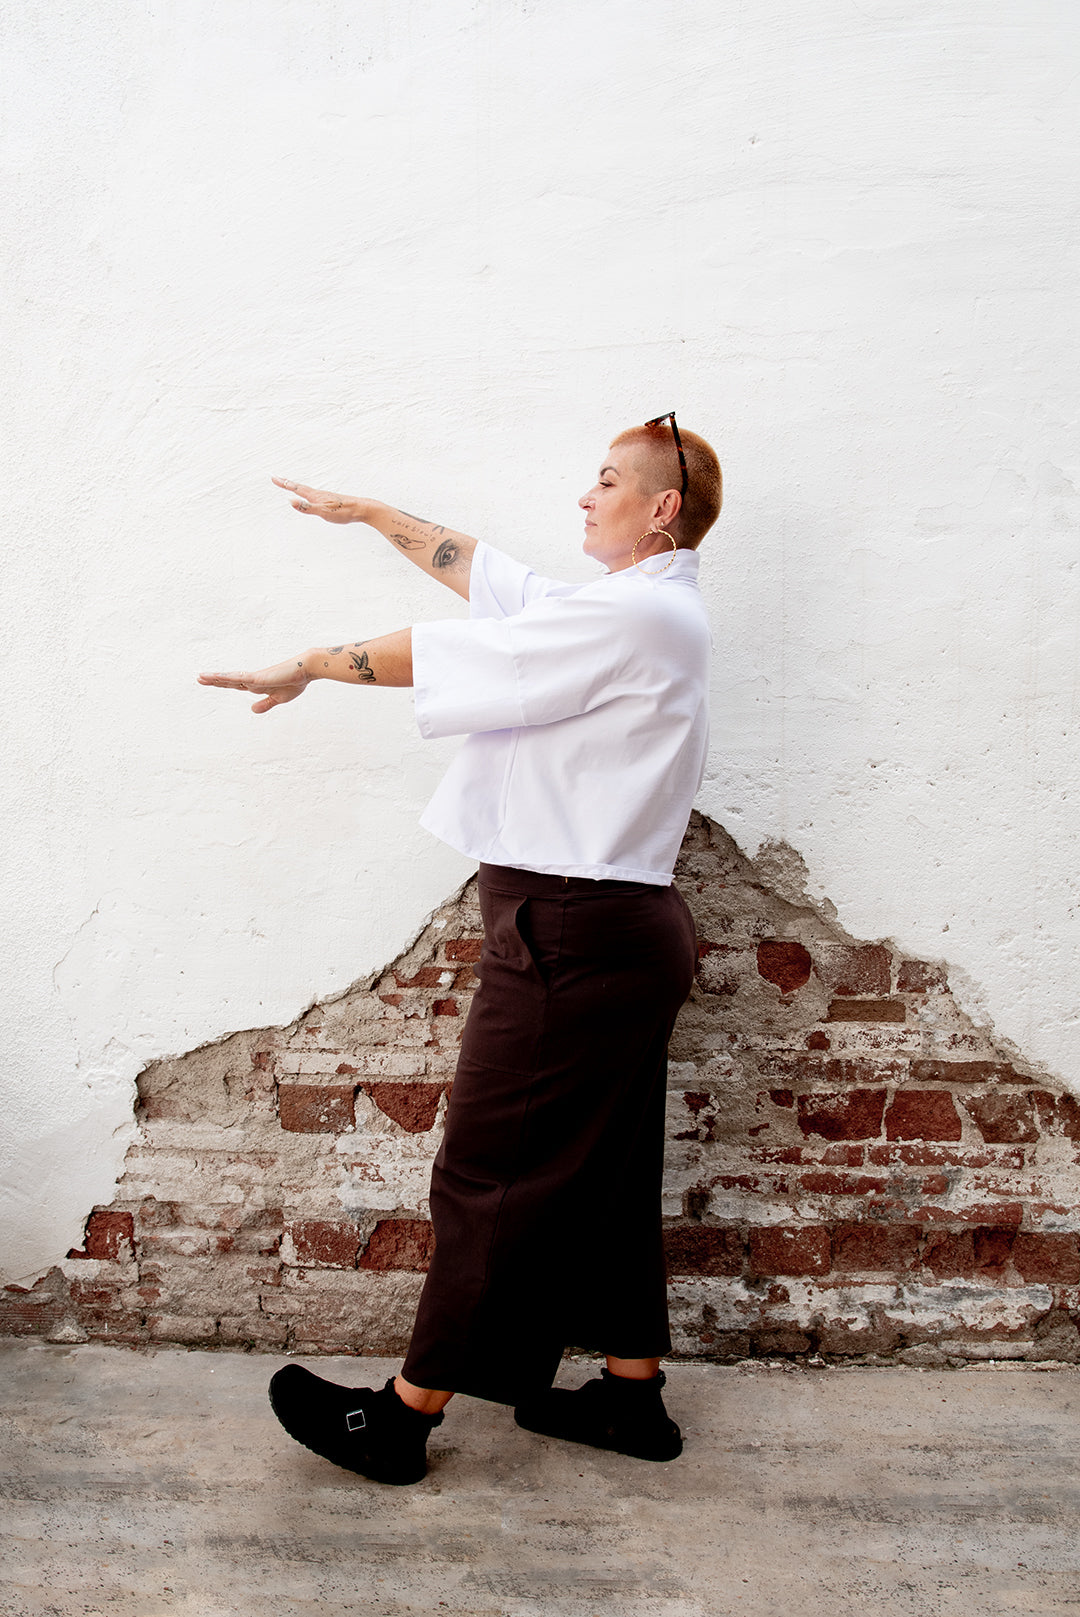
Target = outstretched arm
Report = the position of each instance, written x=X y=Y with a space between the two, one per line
x=438 y=551
x=386 y=660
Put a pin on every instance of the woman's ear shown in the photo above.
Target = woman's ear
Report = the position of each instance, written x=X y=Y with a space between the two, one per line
x=668 y=506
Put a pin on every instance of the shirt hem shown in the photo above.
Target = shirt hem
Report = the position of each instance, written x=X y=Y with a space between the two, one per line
x=490 y=856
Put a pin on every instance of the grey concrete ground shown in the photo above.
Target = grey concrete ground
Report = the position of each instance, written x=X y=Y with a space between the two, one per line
x=158 y=1484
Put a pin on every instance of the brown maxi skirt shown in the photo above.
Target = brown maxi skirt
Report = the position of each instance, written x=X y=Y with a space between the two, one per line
x=545 y=1194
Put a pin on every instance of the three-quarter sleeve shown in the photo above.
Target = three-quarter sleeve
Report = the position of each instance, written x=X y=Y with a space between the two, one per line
x=500 y=586
x=559 y=657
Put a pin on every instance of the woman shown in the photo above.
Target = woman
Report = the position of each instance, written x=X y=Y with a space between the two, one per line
x=584 y=708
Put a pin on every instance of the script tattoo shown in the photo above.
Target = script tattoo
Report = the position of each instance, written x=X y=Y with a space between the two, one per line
x=364 y=670
x=436 y=527
x=448 y=556
x=403 y=542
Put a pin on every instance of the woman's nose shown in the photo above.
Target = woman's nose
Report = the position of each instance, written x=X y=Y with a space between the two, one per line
x=585 y=501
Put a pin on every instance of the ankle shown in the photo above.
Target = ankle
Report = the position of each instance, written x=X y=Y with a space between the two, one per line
x=633 y=1369
x=421 y=1400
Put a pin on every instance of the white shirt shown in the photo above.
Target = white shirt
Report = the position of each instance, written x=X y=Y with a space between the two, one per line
x=585 y=711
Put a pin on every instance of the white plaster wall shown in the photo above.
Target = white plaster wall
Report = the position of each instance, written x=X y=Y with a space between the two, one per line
x=439 y=253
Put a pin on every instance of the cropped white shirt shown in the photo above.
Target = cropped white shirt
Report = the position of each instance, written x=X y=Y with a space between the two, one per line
x=585 y=711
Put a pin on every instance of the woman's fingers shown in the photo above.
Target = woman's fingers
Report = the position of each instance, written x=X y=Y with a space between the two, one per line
x=306 y=498
x=282 y=683
x=316 y=502
x=228 y=682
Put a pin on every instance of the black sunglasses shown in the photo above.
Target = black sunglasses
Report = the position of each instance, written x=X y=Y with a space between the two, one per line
x=670 y=416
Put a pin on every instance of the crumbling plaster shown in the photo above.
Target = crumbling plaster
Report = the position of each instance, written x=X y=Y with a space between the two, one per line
x=440 y=253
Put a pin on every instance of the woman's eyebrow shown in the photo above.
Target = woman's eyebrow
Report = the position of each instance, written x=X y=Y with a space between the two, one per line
x=604 y=469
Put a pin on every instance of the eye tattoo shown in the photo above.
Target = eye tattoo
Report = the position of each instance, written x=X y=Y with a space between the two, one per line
x=364 y=670
x=448 y=555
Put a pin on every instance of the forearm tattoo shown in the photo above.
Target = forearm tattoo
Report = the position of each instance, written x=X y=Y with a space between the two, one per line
x=448 y=557
x=364 y=671
x=436 y=527
x=403 y=542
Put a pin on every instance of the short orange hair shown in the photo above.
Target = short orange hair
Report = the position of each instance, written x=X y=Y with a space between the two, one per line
x=656 y=461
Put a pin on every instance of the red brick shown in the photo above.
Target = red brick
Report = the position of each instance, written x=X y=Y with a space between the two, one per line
x=325 y=1244
x=803 y=1068
x=782 y=1097
x=267 y=1274
x=393 y=1000
x=962 y=1072
x=445 y=1007
x=922 y=1114
x=950 y=1254
x=426 y=977
x=316 y=1108
x=780 y=1249
x=858 y=1248
x=921 y=977
x=842 y=1156
x=867 y=1010
x=993 y=1248
x=400 y=1243
x=24 y=1314
x=411 y=1105
x=785 y=963
x=1059 y=1114
x=750 y=1181
x=464 y=949
x=817 y=1040
x=848 y=969
x=940 y=1156
x=861 y=1070
x=841 y=1184
x=1053 y=1259
x=262 y=1060
x=1003 y=1116
x=343 y=1070
x=107 y=1234
x=1000 y=1215
x=704 y=1249
x=853 y=1114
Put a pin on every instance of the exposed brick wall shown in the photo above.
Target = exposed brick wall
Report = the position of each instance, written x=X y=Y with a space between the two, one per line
x=853 y=1167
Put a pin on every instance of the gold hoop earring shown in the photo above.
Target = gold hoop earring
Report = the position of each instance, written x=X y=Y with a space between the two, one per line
x=656 y=571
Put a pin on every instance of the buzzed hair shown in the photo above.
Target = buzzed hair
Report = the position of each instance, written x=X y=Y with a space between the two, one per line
x=656 y=461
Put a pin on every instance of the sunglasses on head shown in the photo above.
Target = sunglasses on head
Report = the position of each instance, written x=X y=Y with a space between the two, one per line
x=669 y=415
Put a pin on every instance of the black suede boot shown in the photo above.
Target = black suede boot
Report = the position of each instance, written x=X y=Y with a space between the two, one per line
x=360 y=1428
x=614 y=1412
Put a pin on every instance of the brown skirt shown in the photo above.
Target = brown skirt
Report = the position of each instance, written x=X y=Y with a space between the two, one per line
x=545 y=1194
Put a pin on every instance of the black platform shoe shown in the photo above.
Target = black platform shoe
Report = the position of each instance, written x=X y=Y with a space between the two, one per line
x=363 y=1429
x=613 y=1412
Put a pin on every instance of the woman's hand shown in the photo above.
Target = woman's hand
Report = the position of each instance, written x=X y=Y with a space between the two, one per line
x=281 y=683
x=316 y=502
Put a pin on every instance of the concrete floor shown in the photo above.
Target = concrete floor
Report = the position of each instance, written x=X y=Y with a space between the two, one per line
x=158 y=1484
